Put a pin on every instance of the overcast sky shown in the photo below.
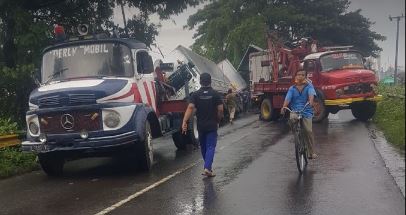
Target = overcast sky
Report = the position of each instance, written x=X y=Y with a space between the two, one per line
x=172 y=33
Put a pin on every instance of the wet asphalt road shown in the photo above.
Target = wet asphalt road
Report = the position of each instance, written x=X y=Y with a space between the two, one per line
x=256 y=174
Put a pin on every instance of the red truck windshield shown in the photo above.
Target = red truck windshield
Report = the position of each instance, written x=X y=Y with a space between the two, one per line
x=342 y=60
x=88 y=60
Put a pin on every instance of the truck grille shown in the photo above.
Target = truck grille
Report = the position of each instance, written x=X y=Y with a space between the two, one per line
x=70 y=100
x=75 y=121
x=78 y=99
x=361 y=88
x=51 y=101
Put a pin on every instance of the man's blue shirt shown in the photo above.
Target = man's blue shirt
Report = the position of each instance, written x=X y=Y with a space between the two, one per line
x=297 y=100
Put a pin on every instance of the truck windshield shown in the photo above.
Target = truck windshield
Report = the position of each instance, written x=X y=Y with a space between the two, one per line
x=88 y=60
x=342 y=60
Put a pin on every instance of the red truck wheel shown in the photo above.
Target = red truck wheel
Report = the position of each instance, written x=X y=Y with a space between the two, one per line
x=363 y=110
x=267 y=112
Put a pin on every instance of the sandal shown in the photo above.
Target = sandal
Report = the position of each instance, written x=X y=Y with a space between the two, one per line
x=208 y=173
x=313 y=156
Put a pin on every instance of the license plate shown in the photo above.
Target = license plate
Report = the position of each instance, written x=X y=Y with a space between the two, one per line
x=39 y=148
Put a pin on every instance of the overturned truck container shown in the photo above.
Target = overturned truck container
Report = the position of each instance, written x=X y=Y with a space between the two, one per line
x=188 y=66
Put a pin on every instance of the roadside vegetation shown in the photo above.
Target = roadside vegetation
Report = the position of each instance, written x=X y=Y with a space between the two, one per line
x=12 y=160
x=390 y=115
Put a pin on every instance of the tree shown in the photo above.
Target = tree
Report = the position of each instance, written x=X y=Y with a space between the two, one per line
x=226 y=27
x=26 y=27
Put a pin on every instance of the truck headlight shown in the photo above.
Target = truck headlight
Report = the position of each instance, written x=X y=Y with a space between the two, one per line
x=112 y=119
x=374 y=88
x=339 y=92
x=34 y=129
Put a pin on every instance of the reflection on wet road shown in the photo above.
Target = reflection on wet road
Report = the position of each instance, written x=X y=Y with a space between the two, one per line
x=256 y=174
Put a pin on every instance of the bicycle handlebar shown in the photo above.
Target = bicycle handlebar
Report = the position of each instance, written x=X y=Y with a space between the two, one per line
x=297 y=111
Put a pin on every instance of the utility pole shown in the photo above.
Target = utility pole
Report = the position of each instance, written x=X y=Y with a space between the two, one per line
x=397 y=41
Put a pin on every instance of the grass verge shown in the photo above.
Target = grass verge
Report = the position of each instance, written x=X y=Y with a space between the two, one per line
x=14 y=162
x=390 y=115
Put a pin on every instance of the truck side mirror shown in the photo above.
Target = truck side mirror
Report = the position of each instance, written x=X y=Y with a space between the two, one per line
x=166 y=66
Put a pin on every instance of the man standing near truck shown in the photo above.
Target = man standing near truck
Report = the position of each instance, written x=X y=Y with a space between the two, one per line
x=298 y=95
x=231 y=104
x=209 y=112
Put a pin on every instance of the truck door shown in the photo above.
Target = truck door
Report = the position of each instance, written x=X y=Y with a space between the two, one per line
x=144 y=78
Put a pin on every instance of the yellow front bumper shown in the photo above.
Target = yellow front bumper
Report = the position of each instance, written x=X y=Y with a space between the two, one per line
x=348 y=101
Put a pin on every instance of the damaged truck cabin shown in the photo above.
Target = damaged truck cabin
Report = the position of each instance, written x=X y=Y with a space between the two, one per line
x=99 y=97
x=187 y=68
x=185 y=76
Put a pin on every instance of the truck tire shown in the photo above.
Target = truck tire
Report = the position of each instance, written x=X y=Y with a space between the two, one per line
x=363 y=110
x=193 y=133
x=191 y=137
x=144 y=150
x=179 y=140
x=51 y=164
x=320 y=110
x=267 y=112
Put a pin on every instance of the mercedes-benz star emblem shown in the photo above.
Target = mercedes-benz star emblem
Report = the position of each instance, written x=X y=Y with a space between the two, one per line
x=67 y=121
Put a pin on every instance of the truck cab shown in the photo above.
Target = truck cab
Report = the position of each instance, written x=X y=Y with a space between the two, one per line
x=98 y=97
x=343 y=82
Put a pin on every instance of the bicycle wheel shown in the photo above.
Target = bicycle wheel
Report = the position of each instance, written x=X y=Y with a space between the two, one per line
x=306 y=152
x=300 y=152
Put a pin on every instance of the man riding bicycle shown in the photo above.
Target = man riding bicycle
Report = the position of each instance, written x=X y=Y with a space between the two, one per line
x=297 y=97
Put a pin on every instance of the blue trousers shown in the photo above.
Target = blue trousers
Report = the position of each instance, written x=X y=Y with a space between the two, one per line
x=208 y=142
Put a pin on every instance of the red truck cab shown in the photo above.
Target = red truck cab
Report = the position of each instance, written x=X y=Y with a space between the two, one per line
x=343 y=82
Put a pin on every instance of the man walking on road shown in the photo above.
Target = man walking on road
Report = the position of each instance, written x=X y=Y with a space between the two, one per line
x=231 y=104
x=209 y=112
x=298 y=95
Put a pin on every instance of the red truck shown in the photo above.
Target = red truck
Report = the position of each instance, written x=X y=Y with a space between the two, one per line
x=337 y=73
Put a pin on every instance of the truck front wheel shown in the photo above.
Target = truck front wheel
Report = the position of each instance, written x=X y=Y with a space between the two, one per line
x=51 y=164
x=144 y=150
x=363 y=110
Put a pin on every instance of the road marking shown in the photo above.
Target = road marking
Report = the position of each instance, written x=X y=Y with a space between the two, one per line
x=152 y=186
x=156 y=184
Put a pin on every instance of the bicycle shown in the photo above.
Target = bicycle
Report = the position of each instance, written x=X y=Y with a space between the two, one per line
x=301 y=151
